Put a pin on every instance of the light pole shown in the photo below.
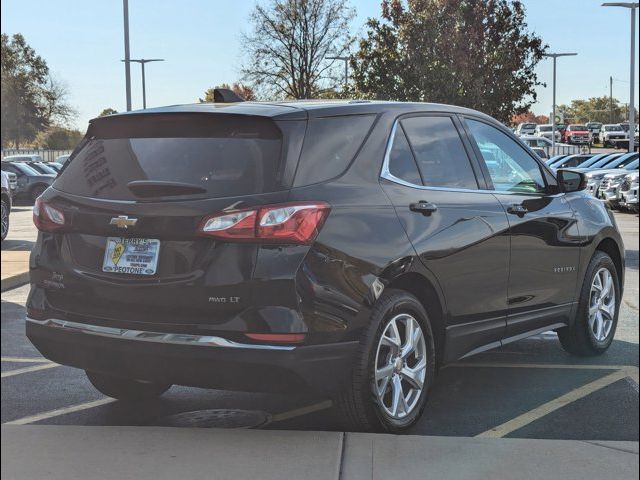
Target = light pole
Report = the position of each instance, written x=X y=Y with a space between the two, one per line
x=127 y=67
x=553 y=120
x=632 y=111
x=346 y=69
x=142 y=62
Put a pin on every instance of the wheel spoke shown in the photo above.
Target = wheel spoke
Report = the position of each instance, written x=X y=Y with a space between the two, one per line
x=598 y=332
x=608 y=310
x=384 y=372
x=391 y=337
x=607 y=285
x=382 y=387
x=413 y=375
x=397 y=397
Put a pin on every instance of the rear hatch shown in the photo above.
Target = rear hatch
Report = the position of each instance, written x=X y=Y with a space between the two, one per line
x=133 y=197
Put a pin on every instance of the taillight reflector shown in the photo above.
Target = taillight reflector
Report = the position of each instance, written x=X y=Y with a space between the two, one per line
x=277 y=337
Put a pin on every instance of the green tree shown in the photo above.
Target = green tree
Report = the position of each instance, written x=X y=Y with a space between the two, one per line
x=289 y=44
x=239 y=89
x=107 y=111
x=32 y=100
x=475 y=54
x=58 y=138
x=595 y=109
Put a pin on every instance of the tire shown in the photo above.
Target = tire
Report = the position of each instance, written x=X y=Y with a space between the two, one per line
x=5 y=219
x=361 y=407
x=580 y=338
x=126 y=389
x=37 y=191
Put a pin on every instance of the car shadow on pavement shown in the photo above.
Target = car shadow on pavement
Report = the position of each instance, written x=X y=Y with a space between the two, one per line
x=18 y=245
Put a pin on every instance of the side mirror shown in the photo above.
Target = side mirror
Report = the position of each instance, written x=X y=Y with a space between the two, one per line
x=570 y=181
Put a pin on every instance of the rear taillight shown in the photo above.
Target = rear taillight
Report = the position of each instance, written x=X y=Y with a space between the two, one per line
x=291 y=223
x=46 y=217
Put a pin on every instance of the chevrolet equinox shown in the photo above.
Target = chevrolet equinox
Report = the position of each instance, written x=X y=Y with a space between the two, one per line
x=346 y=248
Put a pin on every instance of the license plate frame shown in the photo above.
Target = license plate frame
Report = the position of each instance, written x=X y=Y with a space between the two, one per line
x=132 y=256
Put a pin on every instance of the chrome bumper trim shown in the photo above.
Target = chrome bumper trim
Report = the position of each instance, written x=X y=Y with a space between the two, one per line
x=154 y=337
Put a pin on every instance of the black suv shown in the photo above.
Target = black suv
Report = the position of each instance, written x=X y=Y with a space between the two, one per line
x=349 y=248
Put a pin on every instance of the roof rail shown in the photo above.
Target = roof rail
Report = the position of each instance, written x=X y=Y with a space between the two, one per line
x=224 y=95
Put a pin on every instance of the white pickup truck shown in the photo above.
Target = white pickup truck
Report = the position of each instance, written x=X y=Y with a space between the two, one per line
x=612 y=134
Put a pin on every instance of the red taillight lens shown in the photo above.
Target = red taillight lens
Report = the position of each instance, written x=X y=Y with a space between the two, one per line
x=297 y=223
x=46 y=217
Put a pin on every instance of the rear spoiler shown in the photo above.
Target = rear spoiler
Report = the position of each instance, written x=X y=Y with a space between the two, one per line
x=224 y=95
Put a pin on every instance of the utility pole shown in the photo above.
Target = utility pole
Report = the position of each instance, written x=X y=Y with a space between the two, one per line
x=127 y=67
x=142 y=62
x=633 y=6
x=610 y=99
x=553 y=124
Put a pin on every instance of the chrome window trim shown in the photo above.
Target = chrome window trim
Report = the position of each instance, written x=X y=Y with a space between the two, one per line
x=387 y=175
x=152 y=337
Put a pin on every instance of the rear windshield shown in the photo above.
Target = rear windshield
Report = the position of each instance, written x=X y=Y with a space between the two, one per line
x=226 y=155
x=577 y=128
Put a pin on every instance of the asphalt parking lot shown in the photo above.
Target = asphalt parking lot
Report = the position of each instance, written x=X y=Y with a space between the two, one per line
x=530 y=389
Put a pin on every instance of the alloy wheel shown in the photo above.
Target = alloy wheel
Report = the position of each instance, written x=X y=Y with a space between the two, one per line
x=602 y=304
x=400 y=366
x=5 y=220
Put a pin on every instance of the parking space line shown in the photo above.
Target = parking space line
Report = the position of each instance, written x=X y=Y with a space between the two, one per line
x=60 y=411
x=35 y=368
x=24 y=360
x=553 y=405
x=298 y=412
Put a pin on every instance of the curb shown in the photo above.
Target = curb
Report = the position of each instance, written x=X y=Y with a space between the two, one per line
x=15 y=281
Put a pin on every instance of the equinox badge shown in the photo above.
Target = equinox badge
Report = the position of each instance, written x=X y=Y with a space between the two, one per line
x=123 y=221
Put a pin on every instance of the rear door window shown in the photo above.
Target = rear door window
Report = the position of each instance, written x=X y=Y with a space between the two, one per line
x=330 y=145
x=227 y=155
x=402 y=164
x=439 y=152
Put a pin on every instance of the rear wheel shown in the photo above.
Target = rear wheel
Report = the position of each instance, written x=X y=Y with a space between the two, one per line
x=126 y=389
x=5 y=219
x=394 y=369
x=597 y=317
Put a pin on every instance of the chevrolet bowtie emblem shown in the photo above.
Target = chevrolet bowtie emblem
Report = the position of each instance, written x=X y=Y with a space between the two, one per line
x=123 y=221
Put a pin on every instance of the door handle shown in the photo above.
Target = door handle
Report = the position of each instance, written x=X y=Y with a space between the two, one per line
x=423 y=207
x=518 y=209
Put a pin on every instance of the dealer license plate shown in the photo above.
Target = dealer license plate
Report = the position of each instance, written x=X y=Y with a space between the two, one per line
x=137 y=256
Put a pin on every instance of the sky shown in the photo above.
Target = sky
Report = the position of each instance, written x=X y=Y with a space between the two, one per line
x=82 y=42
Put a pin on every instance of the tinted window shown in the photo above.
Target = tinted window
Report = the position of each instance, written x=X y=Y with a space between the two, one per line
x=227 y=155
x=20 y=169
x=511 y=168
x=402 y=165
x=329 y=146
x=441 y=157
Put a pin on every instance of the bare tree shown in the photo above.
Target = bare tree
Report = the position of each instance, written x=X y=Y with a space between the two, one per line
x=290 y=40
x=57 y=109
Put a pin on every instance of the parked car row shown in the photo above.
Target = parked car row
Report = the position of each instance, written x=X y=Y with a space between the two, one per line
x=609 y=135
x=611 y=177
x=32 y=175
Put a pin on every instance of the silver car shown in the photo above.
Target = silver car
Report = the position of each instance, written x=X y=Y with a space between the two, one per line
x=629 y=192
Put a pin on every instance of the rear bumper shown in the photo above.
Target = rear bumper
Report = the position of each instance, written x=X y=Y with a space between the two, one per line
x=198 y=361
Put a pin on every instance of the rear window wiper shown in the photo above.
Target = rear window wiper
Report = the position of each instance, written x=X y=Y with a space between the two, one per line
x=159 y=188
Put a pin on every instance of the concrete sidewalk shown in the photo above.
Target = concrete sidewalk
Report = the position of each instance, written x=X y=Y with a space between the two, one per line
x=15 y=268
x=83 y=452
